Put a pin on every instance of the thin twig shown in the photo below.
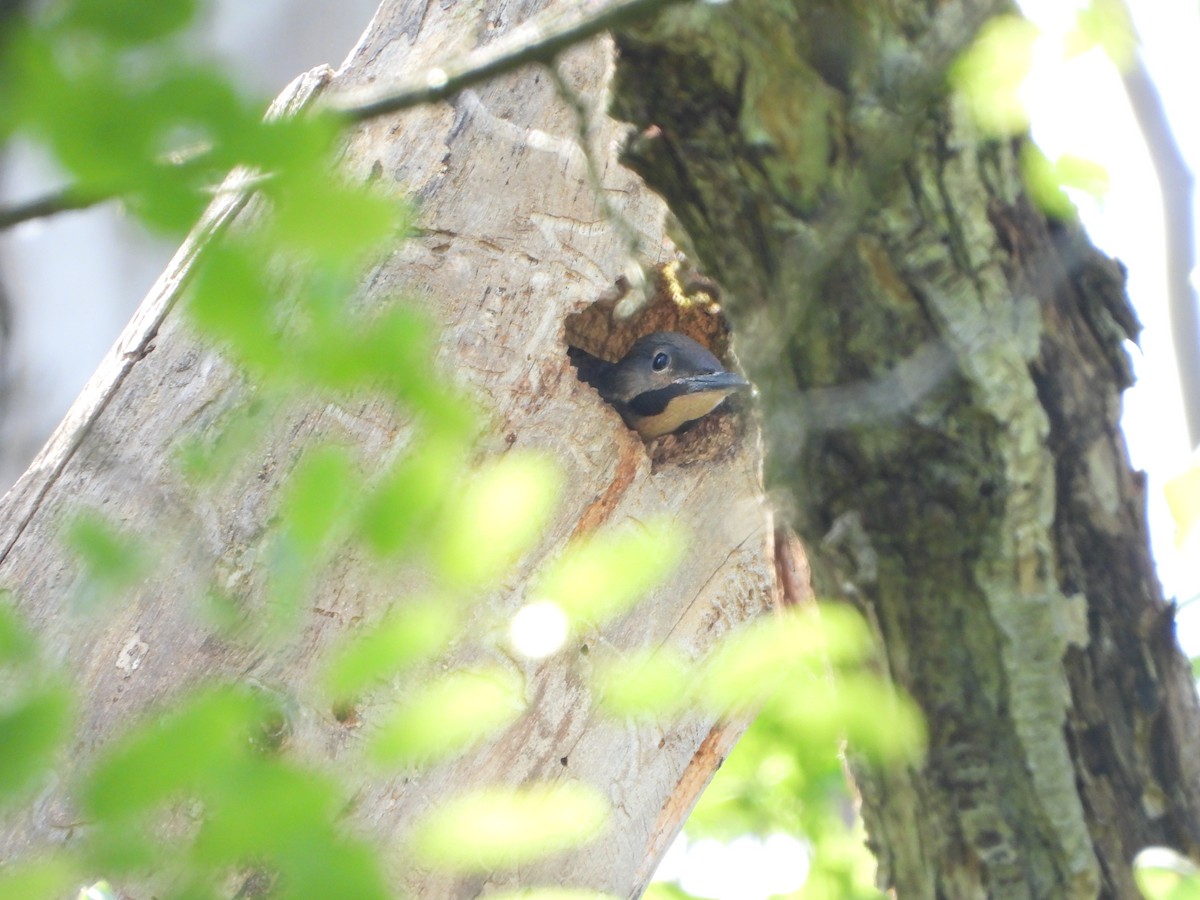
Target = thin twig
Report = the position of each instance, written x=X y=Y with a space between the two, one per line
x=436 y=84
x=440 y=84
x=62 y=200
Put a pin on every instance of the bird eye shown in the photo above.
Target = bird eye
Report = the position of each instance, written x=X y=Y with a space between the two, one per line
x=660 y=361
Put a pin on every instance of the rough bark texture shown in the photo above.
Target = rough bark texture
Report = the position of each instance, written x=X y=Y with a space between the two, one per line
x=514 y=239
x=941 y=369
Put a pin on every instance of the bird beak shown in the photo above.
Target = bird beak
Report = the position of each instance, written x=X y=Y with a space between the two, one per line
x=716 y=382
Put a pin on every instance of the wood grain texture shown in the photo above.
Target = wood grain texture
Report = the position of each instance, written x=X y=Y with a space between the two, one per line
x=513 y=239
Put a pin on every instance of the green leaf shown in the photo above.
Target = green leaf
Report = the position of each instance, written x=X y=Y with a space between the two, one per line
x=31 y=730
x=501 y=828
x=790 y=652
x=448 y=715
x=16 y=644
x=1106 y=23
x=327 y=221
x=656 y=682
x=877 y=720
x=1183 y=501
x=318 y=498
x=130 y=21
x=269 y=809
x=552 y=893
x=1163 y=874
x=332 y=868
x=232 y=303
x=33 y=879
x=174 y=753
x=989 y=75
x=294 y=143
x=403 y=504
x=603 y=575
x=496 y=518
x=112 y=561
x=411 y=634
x=1045 y=180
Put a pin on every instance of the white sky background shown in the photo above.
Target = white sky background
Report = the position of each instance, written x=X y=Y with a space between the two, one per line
x=1079 y=107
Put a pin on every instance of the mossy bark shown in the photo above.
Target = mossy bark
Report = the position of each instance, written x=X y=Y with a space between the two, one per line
x=941 y=370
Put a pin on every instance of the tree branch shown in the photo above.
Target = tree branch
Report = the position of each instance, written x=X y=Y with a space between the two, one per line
x=436 y=84
x=441 y=84
x=1176 y=187
x=49 y=204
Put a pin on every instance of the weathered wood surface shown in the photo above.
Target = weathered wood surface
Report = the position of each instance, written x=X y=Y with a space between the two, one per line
x=941 y=369
x=513 y=240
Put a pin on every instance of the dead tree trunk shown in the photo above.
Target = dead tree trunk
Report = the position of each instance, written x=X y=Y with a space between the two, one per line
x=515 y=237
x=942 y=369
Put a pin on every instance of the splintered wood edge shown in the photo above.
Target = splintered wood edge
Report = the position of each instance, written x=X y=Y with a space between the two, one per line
x=136 y=340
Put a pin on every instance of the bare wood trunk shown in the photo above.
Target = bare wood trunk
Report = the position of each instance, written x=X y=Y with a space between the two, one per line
x=513 y=240
x=942 y=370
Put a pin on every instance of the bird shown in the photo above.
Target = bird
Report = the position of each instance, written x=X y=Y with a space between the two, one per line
x=665 y=382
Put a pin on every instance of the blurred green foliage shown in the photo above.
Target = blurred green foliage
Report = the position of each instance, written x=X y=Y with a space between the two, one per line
x=502 y=828
x=989 y=76
x=35 y=709
x=201 y=793
x=1163 y=874
x=111 y=560
x=992 y=75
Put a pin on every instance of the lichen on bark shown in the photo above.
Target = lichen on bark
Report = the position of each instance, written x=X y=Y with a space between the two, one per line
x=940 y=367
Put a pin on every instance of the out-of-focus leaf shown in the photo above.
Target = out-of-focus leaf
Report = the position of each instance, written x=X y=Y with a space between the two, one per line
x=782 y=653
x=990 y=73
x=1106 y=23
x=498 y=828
x=130 y=21
x=265 y=809
x=496 y=518
x=295 y=144
x=16 y=645
x=232 y=303
x=666 y=890
x=552 y=893
x=316 y=507
x=54 y=877
x=342 y=352
x=328 y=221
x=880 y=723
x=449 y=714
x=1183 y=500
x=1162 y=874
x=653 y=683
x=603 y=575
x=1082 y=174
x=409 y=635
x=31 y=730
x=111 y=560
x=190 y=745
x=203 y=460
x=1045 y=180
x=332 y=868
x=120 y=846
x=318 y=498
